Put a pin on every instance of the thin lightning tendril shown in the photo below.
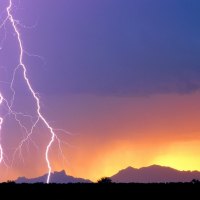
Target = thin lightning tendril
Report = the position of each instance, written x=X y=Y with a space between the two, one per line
x=14 y=24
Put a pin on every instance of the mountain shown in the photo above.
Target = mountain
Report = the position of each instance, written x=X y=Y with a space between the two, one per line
x=154 y=174
x=151 y=174
x=56 y=177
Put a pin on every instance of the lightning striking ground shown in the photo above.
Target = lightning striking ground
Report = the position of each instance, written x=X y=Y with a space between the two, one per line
x=14 y=24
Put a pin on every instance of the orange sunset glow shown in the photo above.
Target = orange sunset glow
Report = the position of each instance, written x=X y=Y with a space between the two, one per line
x=161 y=129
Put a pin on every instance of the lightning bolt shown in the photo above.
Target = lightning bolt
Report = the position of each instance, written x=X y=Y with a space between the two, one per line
x=14 y=24
x=34 y=94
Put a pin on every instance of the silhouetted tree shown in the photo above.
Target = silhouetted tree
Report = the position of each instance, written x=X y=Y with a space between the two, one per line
x=104 y=180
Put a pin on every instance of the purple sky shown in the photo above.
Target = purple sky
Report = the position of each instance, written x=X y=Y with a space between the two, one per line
x=113 y=47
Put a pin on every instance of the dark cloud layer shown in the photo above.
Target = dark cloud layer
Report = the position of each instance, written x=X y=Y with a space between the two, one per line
x=116 y=47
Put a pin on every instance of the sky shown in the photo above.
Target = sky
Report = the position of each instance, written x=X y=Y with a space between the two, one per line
x=122 y=76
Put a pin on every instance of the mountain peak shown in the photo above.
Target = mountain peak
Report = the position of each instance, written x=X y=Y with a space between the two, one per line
x=157 y=167
x=62 y=172
x=154 y=173
x=129 y=168
x=56 y=177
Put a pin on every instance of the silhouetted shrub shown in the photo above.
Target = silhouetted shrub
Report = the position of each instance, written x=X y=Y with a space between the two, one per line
x=104 y=180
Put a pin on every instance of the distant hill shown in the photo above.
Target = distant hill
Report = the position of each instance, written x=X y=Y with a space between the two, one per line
x=56 y=177
x=154 y=174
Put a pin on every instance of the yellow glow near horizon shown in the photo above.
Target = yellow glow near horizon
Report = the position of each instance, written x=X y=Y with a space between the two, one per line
x=113 y=158
x=181 y=156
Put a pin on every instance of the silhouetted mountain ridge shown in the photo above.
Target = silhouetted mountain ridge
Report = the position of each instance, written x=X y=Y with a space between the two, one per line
x=56 y=177
x=154 y=173
x=150 y=174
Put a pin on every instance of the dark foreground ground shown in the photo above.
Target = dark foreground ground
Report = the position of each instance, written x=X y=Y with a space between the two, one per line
x=101 y=191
